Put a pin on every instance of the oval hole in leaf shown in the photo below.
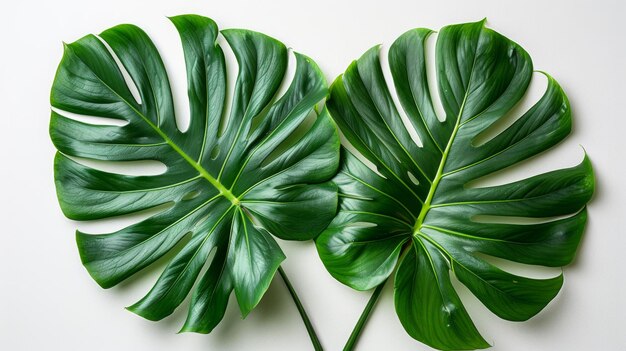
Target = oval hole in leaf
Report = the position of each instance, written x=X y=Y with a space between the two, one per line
x=515 y=219
x=215 y=151
x=191 y=195
x=357 y=197
x=362 y=225
x=200 y=221
x=413 y=179
x=290 y=187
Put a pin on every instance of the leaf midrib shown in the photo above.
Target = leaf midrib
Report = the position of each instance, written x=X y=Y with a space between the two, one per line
x=438 y=175
x=444 y=157
x=203 y=172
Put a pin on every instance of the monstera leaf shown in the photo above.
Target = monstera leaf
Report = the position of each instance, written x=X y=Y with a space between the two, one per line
x=420 y=215
x=230 y=181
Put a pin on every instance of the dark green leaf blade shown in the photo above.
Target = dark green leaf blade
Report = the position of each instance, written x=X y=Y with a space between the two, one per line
x=253 y=258
x=507 y=295
x=226 y=181
x=362 y=244
x=210 y=298
x=427 y=305
x=423 y=205
x=178 y=277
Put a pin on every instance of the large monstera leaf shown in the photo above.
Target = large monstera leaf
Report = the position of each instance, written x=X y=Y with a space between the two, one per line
x=418 y=214
x=229 y=183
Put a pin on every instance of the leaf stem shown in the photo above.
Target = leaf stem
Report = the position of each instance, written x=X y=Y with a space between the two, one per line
x=305 y=318
x=356 y=332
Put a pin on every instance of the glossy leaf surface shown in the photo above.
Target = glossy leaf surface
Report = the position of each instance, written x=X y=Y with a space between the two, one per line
x=231 y=182
x=419 y=216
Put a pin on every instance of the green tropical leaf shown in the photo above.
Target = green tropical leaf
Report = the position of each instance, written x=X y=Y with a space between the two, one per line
x=419 y=214
x=229 y=184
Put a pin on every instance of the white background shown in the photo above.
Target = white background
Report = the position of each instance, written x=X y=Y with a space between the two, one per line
x=49 y=302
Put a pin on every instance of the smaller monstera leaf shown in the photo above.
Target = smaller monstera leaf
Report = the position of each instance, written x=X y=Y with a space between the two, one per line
x=230 y=182
x=421 y=216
